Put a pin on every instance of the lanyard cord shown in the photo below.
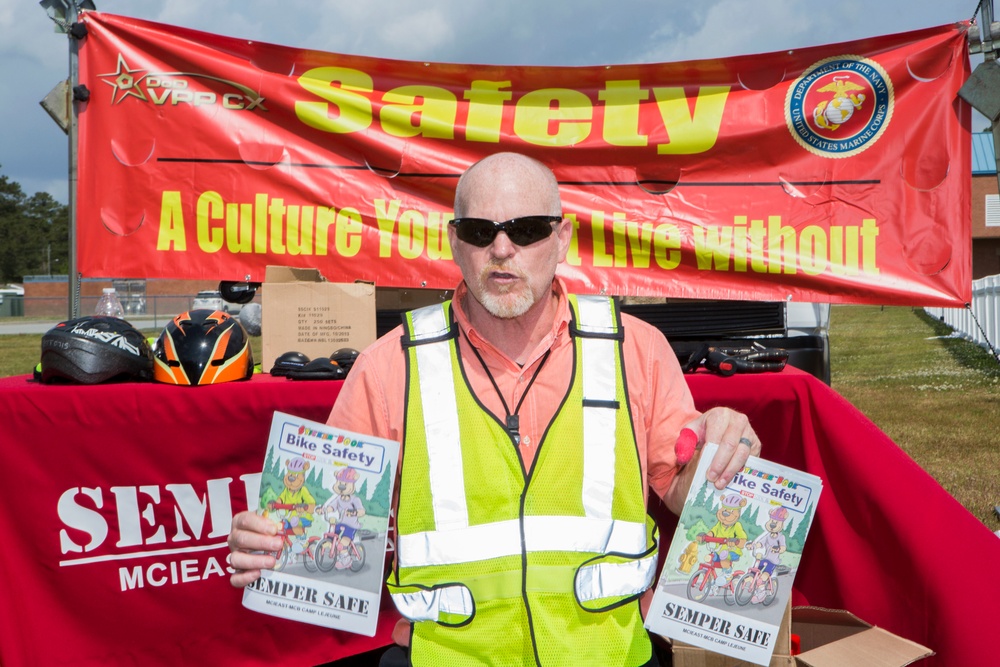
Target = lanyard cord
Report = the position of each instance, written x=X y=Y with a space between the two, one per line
x=512 y=421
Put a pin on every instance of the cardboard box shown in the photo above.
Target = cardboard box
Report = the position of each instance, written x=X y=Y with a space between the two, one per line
x=302 y=312
x=828 y=638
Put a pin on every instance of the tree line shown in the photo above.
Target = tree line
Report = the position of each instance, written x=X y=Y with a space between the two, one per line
x=34 y=233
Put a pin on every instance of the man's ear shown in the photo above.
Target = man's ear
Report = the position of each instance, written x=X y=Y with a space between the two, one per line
x=564 y=233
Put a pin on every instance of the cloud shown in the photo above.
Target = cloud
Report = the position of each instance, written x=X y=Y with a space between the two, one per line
x=33 y=58
x=735 y=27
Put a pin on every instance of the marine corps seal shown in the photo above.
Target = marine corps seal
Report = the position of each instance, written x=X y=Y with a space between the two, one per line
x=840 y=106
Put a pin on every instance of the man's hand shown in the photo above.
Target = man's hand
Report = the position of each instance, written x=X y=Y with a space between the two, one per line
x=250 y=536
x=737 y=440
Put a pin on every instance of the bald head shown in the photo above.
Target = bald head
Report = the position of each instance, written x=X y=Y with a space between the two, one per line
x=503 y=180
x=507 y=281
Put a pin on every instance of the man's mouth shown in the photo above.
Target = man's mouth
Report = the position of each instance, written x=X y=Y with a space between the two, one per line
x=502 y=272
x=503 y=276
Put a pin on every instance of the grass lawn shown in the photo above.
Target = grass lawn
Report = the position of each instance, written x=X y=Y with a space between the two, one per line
x=936 y=396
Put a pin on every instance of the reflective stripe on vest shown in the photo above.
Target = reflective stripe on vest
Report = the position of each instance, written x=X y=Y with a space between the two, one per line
x=608 y=579
x=595 y=316
x=503 y=538
x=441 y=424
x=431 y=605
x=592 y=582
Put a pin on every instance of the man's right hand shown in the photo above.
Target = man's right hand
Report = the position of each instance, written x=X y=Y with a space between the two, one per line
x=251 y=541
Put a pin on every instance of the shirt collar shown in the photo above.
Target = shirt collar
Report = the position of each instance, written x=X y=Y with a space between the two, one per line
x=560 y=325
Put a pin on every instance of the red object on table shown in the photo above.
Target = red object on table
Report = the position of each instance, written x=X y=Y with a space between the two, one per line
x=117 y=498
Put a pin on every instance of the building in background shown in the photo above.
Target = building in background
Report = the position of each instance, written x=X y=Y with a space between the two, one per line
x=47 y=296
x=985 y=208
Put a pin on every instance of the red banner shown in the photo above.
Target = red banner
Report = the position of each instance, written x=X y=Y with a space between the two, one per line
x=838 y=173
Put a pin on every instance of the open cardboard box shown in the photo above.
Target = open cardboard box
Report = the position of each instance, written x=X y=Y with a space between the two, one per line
x=302 y=312
x=828 y=638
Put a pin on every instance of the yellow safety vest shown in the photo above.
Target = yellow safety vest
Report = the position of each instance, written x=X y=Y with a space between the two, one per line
x=496 y=565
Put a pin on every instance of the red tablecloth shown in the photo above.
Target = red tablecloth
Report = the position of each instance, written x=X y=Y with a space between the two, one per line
x=117 y=502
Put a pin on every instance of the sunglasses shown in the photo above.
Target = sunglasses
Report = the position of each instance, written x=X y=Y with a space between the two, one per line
x=522 y=231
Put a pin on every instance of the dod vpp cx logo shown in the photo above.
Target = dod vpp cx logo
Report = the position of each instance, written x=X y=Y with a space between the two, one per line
x=840 y=106
x=177 y=88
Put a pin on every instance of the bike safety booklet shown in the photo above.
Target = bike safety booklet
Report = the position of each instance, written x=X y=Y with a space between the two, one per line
x=727 y=575
x=330 y=492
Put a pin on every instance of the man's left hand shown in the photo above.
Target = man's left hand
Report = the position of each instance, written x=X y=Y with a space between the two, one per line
x=737 y=441
x=731 y=430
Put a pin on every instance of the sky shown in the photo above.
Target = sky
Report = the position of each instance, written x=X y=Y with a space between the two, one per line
x=34 y=58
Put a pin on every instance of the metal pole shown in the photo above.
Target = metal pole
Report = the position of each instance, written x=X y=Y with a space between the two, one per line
x=74 y=78
x=990 y=57
x=975 y=39
x=986 y=38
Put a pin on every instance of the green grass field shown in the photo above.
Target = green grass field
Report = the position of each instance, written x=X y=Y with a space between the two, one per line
x=936 y=396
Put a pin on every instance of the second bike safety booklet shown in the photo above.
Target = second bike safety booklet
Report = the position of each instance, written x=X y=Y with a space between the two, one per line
x=727 y=576
x=330 y=492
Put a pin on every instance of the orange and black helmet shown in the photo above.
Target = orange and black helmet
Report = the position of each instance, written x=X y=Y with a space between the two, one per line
x=202 y=347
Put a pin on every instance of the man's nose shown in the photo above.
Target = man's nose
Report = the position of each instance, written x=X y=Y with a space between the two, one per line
x=502 y=246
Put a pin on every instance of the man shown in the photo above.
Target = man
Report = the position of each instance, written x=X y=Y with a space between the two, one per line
x=522 y=535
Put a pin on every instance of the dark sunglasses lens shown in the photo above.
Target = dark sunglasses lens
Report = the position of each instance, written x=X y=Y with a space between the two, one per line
x=476 y=231
x=521 y=231
x=529 y=229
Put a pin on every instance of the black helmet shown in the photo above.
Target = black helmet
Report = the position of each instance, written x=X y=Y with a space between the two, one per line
x=345 y=357
x=318 y=369
x=202 y=347
x=94 y=349
x=289 y=361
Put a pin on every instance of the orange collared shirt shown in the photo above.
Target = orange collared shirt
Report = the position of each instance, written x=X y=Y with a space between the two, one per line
x=372 y=398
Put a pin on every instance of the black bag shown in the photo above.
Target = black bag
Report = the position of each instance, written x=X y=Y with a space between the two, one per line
x=728 y=361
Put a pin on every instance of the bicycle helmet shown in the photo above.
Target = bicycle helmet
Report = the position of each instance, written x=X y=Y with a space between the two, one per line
x=732 y=500
x=202 y=347
x=778 y=514
x=289 y=361
x=95 y=349
x=349 y=475
x=318 y=369
x=345 y=357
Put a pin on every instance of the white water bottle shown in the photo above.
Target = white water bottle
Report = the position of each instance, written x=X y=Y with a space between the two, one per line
x=109 y=305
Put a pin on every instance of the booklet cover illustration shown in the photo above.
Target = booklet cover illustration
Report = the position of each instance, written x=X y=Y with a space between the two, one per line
x=330 y=492
x=727 y=576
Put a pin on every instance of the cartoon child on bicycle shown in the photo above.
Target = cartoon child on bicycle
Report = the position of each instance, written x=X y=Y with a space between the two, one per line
x=296 y=495
x=730 y=529
x=768 y=548
x=344 y=508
